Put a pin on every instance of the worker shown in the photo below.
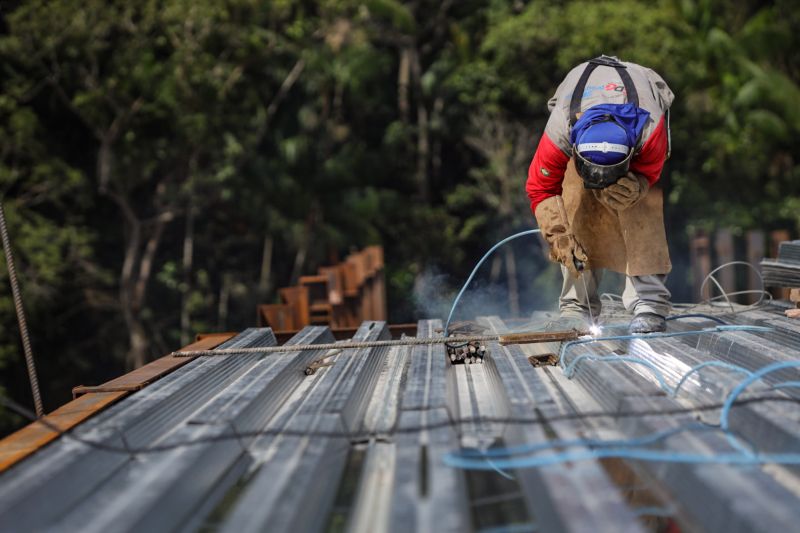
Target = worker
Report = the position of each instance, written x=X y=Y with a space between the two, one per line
x=593 y=188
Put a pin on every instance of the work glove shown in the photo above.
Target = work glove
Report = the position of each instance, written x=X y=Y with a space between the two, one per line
x=554 y=225
x=625 y=193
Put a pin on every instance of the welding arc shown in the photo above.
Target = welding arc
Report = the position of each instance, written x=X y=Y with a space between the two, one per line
x=504 y=338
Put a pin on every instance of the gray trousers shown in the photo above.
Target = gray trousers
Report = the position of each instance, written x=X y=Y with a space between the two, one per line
x=642 y=294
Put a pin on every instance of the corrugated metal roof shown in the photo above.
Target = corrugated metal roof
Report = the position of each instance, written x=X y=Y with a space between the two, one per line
x=250 y=443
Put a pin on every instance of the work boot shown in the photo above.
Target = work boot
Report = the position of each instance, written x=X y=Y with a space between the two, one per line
x=647 y=323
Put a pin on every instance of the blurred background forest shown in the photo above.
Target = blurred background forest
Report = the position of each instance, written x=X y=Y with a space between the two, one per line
x=166 y=165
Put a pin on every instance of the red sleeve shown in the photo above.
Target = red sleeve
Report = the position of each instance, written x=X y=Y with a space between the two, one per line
x=650 y=160
x=546 y=173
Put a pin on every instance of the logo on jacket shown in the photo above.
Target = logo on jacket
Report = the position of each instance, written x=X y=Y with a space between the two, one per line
x=618 y=87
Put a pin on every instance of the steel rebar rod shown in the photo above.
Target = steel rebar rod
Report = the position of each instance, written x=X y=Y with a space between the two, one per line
x=23 y=325
x=507 y=338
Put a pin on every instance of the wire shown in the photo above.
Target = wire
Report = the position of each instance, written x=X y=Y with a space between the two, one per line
x=396 y=429
x=717 y=329
x=711 y=277
x=571 y=443
x=633 y=448
x=696 y=315
x=475 y=270
x=23 y=325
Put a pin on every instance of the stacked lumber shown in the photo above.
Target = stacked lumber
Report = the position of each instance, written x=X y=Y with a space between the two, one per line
x=340 y=296
x=785 y=270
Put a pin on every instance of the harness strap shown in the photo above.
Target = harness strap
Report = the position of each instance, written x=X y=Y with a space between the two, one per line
x=577 y=94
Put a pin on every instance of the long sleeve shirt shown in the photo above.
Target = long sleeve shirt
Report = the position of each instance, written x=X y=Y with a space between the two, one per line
x=546 y=171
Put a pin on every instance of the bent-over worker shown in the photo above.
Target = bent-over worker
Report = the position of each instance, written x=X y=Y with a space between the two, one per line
x=593 y=187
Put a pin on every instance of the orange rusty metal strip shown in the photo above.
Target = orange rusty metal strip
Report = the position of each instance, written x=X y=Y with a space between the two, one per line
x=150 y=372
x=17 y=446
x=34 y=436
x=80 y=390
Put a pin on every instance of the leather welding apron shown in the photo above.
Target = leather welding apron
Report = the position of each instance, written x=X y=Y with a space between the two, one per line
x=632 y=241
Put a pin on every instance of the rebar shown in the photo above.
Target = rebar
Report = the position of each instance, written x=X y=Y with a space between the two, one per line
x=509 y=338
x=23 y=325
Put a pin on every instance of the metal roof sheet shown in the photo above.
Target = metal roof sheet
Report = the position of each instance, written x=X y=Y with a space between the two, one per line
x=251 y=443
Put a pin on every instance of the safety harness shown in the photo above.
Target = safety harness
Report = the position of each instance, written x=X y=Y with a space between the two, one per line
x=606 y=61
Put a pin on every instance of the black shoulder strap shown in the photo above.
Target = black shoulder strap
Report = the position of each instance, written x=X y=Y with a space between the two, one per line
x=577 y=94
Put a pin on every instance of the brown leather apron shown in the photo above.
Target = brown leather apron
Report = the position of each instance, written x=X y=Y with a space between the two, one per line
x=632 y=241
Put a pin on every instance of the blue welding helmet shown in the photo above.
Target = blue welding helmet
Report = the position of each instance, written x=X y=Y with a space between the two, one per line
x=604 y=140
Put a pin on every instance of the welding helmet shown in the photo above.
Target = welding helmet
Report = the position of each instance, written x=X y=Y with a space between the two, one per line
x=604 y=140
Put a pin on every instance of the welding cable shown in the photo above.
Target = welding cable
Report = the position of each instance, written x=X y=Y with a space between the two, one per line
x=499 y=470
x=696 y=315
x=569 y=370
x=622 y=449
x=644 y=440
x=724 y=417
x=735 y=442
x=696 y=368
x=645 y=336
x=655 y=456
x=475 y=270
x=626 y=449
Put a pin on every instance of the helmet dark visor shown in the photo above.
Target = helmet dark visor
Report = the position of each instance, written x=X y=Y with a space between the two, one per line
x=600 y=176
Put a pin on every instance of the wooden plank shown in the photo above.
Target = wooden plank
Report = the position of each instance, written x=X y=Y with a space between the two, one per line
x=335 y=277
x=756 y=245
x=19 y=445
x=297 y=297
x=277 y=316
x=379 y=296
x=723 y=246
x=700 y=252
x=776 y=237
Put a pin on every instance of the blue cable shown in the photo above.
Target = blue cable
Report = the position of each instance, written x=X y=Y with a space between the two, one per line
x=571 y=443
x=570 y=370
x=660 y=456
x=726 y=408
x=627 y=449
x=645 y=336
x=721 y=364
x=696 y=315
x=475 y=270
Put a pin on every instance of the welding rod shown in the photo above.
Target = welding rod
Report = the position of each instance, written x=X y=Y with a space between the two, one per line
x=504 y=339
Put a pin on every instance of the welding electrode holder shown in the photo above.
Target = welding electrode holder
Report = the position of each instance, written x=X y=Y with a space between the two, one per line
x=579 y=265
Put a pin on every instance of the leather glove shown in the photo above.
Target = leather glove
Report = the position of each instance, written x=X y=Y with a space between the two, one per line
x=625 y=193
x=554 y=225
